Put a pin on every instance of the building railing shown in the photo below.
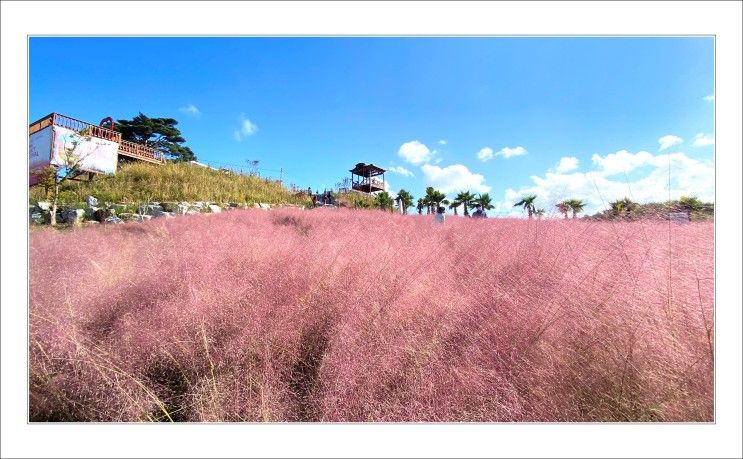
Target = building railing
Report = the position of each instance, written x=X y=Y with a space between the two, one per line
x=75 y=125
x=140 y=151
x=369 y=181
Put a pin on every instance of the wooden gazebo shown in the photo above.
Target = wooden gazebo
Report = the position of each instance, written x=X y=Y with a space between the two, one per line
x=363 y=178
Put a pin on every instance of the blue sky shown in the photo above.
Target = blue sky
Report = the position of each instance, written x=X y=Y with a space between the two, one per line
x=591 y=118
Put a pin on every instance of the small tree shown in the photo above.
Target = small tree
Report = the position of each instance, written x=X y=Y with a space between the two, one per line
x=622 y=207
x=383 y=201
x=53 y=176
x=690 y=203
x=406 y=200
x=454 y=206
x=485 y=201
x=467 y=200
x=528 y=203
x=576 y=205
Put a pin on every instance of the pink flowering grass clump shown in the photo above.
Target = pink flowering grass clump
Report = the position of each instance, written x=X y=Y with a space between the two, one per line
x=341 y=315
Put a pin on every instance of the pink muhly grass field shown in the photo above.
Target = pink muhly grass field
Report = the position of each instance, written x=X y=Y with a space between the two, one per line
x=341 y=315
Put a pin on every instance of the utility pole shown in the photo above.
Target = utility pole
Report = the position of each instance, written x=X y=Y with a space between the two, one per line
x=281 y=175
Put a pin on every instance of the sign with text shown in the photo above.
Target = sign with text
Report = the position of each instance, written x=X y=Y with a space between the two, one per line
x=94 y=154
x=39 y=152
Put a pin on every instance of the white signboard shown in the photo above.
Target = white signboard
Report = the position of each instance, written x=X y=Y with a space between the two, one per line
x=97 y=155
x=39 y=152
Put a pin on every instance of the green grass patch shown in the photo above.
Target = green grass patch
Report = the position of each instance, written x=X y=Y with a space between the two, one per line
x=141 y=182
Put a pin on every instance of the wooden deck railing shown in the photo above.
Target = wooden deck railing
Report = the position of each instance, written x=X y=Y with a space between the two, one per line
x=86 y=128
x=366 y=182
x=139 y=151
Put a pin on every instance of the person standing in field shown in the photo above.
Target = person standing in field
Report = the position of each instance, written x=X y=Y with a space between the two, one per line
x=440 y=217
x=479 y=213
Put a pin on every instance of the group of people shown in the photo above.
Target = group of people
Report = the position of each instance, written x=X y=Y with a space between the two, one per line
x=478 y=213
x=325 y=198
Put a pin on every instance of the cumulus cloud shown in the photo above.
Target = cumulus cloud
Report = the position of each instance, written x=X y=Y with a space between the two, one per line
x=621 y=162
x=667 y=141
x=601 y=185
x=415 y=152
x=710 y=98
x=702 y=140
x=507 y=152
x=247 y=128
x=191 y=109
x=443 y=142
x=485 y=154
x=455 y=177
x=400 y=170
x=567 y=164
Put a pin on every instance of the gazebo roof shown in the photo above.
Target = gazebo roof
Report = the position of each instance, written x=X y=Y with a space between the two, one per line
x=367 y=170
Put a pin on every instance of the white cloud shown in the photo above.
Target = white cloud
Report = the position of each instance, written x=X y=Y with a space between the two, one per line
x=247 y=128
x=597 y=188
x=507 y=152
x=702 y=140
x=567 y=164
x=710 y=98
x=191 y=109
x=454 y=178
x=667 y=141
x=415 y=152
x=400 y=170
x=621 y=162
x=485 y=154
x=443 y=142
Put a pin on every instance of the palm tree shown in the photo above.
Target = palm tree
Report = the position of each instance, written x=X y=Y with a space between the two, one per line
x=454 y=206
x=484 y=200
x=563 y=207
x=406 y=200
x=528 y=203
x=439 y=198
x=466 y=198
x=433 y=199
x=428 y=199
x=539 y=213
x=576 y=205
x=384 y=201
x=421 y=205
x=622 y=207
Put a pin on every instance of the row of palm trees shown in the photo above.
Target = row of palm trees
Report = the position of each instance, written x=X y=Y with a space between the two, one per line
x=467 y=200
x=527 y=202
x=434 y=199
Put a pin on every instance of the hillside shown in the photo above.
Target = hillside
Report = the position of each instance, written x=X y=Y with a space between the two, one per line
x=141 y=182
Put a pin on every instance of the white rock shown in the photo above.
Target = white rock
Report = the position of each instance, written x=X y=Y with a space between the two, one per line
x=113 y=220
x=215 y=209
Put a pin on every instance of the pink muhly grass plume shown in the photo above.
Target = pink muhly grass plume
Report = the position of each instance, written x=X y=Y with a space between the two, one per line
x=340 y=315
